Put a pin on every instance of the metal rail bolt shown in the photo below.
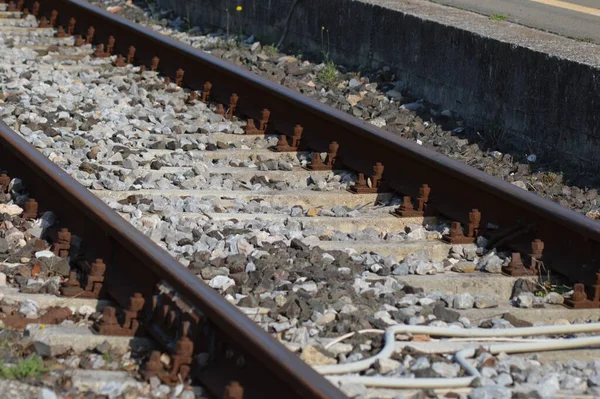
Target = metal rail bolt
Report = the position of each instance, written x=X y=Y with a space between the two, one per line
x=60 y=32
x=110 y=46
x=154 y=64
x=4 y=182
x=43 y=23
x=79 y=41
x=233 y=391
x=233 y=100
x=30 y=209
x=100 y=53
x=90 y=35
x=457 y=236
x=130 y=54
x=373 y=184
x=408 y=210
x=330 y=160
x=63 y=243
x=71 y=26
x=206 y=91
x=179 y=77
x=120 y=61
x=53 y=18
x=251 y=128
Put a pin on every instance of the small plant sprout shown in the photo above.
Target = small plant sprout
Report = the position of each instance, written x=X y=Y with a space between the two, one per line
x=328 y=74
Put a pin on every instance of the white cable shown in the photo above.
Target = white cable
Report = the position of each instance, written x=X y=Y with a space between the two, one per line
x=461 y=358
x=388 y=348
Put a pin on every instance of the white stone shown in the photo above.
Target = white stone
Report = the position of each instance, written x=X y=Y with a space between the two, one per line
x=12 y=210
x=45 y=393
x=385 y=366
x=525 y=300
x=86 y=311
x=221 y=282
x=29 y=308
x=44 y=254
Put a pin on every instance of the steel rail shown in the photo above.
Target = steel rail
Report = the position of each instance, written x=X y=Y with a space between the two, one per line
x=138 y=264
x=572 y=240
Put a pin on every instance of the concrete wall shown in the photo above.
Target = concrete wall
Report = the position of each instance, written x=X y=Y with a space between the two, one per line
x=544 y=103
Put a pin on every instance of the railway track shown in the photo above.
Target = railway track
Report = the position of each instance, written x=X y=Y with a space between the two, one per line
x=309 y=221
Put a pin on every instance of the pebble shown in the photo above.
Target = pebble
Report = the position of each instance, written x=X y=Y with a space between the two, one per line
x=485 y=301
x=315 y=356
x=446 y=370
x=490 y=392
x=45 y=393
x=385 y=366
x=525 y=300
x=463 y=301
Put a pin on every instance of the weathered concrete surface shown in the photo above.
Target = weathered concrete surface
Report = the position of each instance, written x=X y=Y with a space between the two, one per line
x=539 y=88
x=477 y=283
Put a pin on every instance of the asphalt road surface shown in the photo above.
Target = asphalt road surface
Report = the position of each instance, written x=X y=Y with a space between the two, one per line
x=578 y=19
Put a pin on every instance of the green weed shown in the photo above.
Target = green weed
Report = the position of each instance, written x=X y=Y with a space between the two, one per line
x=25 y=368
x=498 y=17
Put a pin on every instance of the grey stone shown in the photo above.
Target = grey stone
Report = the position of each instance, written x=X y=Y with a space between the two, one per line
x=45 y=393
x=400 y=270
x=485 y=301
x=525 y=300
x=490 y=392
x=353 y=390
x=385 y=366
x=4 y=247
x=463 y=301
x=446 y=370
x=554 y=298
x=504 y=380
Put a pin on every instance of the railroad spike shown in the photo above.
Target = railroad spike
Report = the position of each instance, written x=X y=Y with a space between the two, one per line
x=120 y=62
x=53 y=18
x=79 y=41
x=154 y=64
x=234 y=391
x=43 y=23
x=372 y=184
x=100 y=53
x=193 y=96
x=233 y=100
x=71 y=26
x=331 y=160
x=179 y=77
x=110 y=46
x=62 y=245
x=206 y=91
x=60 y=32
x=35 y=9
x=516 y=267
x=30 y=209
x=408 y=210
x=90 y=35
x=4 y=182
x=130 y=54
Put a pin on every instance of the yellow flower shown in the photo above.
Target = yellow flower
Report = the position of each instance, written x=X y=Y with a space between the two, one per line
x=322 y=28
x=238 y=8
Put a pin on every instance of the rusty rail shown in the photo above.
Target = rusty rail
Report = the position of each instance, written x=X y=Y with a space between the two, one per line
x=239 y=351
x=572 y=242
